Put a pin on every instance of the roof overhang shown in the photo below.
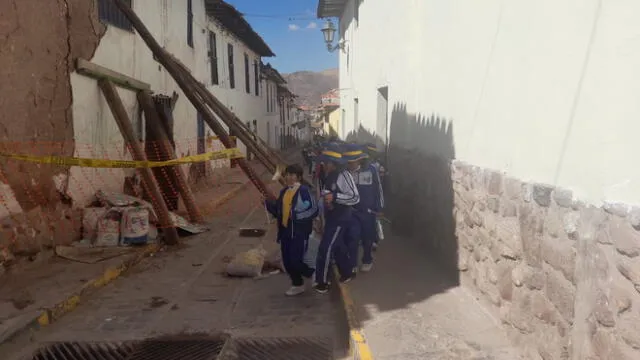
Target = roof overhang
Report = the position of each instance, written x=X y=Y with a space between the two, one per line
x=330 y=8
x=233 y=20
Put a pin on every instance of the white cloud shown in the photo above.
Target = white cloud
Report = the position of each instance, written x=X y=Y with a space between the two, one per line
x=293 y=27
x=312 y=25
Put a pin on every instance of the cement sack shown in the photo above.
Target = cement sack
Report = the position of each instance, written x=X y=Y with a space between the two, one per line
x=247 y=264
x=90 y=217
x=108 y=229
x=134 y=226
x=312 y=249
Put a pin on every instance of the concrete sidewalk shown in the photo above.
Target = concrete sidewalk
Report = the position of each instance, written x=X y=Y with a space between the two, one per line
x=51 y=286
x=408 y=310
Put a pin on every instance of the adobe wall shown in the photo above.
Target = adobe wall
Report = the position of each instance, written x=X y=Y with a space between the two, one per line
x=39 y=42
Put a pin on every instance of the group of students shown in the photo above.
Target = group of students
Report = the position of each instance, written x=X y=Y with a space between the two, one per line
x=344 y=210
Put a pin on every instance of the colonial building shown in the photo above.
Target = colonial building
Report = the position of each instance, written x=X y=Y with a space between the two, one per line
x=211 y=38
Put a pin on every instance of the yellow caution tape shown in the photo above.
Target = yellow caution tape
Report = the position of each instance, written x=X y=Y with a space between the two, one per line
x=211 y=138
x=232 y=153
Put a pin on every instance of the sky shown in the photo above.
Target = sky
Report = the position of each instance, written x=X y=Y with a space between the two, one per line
x=291 y=30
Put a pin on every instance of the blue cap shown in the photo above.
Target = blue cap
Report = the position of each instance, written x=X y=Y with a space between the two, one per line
x=331 y=153
x=371 y=147
x=353 y=152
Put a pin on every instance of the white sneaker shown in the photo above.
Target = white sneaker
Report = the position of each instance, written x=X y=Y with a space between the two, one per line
x=295 y=290
x=366 y=267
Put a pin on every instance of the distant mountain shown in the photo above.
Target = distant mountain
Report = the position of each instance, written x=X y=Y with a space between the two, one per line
x=309 y=85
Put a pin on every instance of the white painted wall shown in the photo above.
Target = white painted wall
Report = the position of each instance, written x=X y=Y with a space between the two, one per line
x=96 y=132
x=546 y=90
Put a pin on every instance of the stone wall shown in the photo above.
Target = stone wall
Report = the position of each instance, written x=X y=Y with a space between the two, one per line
x=563 y=276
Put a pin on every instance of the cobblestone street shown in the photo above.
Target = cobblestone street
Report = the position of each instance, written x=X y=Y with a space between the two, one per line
x=185 y=291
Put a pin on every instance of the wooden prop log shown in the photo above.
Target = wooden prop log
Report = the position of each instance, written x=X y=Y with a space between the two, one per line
x=175 y=172
x=186 y=83
x=148 y=181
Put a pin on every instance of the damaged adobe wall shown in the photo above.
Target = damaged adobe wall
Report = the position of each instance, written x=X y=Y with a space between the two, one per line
x=39 y=42
x=562 y=275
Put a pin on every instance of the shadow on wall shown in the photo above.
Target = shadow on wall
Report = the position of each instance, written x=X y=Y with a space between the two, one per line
x=419 y=256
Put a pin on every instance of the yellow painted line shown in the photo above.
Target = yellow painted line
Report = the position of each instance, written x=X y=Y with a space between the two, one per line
x=358 y=346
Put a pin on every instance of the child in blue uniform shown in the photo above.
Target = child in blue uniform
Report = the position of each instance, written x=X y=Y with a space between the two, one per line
x=364 y=227
x=295 y=210
x=339 y=193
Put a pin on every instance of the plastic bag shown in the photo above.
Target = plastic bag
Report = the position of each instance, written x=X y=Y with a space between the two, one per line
x=312 y=250
x=247 y=264
x=379 y=230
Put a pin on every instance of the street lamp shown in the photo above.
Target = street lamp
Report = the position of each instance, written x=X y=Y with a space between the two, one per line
x=329 y=31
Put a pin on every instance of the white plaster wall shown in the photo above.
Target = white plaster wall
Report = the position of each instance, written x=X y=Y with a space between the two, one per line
x=247 y=106
x=545 y=91
x=96 y=132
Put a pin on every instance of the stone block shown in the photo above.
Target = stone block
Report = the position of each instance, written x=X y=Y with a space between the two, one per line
x=626 y=239
x=527 y=192
x=542 y=194
x=531 y=229
x=630 y=269
x=607 y=346
x=563 y=197
x=553 y=225
x=494 y=183
x=616 y=208
x=560 y=255
x=463 y=260
x=542 y=308
x=561 y=293
x=508 y=209
x=508 y=233
x=629 y=330
x=512 y=188
x=533 y=279
x=570 y=222
x=520 y=313
x=634 y=217
x=505 y=285
x=602 y=311
x=620 y=299
x=493 y=204
x=476 y=217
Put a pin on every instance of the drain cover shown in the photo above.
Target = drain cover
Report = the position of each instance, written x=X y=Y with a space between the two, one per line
x=151 y=349
x=82 y=351
x=283 y=349
x=178 y=349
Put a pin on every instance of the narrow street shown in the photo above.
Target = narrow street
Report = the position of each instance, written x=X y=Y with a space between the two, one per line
x=184 y=291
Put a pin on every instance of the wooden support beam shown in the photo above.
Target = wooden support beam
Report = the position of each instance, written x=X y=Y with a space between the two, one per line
x=98 y=72
x=175 y=172
x=148 y=181
x=186 y=83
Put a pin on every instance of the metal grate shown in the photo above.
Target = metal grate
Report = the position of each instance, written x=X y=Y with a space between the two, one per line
x=179 y=348
x=187 y=349
x=283 y=348
x=84 y=351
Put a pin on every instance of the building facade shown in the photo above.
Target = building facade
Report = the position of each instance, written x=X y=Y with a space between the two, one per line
x=211 y=38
